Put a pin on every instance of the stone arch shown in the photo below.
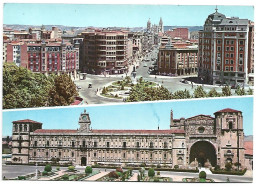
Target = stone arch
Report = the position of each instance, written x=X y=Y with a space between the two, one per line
x=203 y=152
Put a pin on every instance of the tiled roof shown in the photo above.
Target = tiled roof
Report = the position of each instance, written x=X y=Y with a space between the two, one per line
x=55 y=131
x=178 y=131
x=26 y=121
x=248 y=147
x=227 y=110
x=139 y=131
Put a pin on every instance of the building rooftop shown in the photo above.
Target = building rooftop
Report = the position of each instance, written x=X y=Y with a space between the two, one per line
x=26 y=121
x=227 y=110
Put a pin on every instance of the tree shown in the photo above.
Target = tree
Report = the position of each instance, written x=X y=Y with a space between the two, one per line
x=228 y=166
x=104 y=91
x=88 y=170
x=226 y=91
x=250 y=91
x=71 y=168
x=151 y=172
x=240 y=91
x=48 y=168
x=23 y=89
x=181 y=94
x=213 y=93
x=202 y=175
x=63 y=92
x=199 y=92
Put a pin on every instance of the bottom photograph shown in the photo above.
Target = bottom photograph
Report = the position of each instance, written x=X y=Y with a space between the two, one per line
x=205 y=140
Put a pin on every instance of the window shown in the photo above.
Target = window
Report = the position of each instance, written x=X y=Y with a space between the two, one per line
x=219 y=48
x=219 y=41
x=72 y=154
x=165 y=155
x=48 y=143
x=84 y=143
x=151 y=144
x=241 y=42
x=165 y=145
x=59 y=154
x=20 y=128
x=231 y=48
x=240 y=55
x=137 y=144
x=227 y=55
x=73 y=144
x=240 y=61
x=231 y=68
x=241 y=49
x=35 y=143
x=201 y=129
x=227 y=61
x=107 y=144
x=218 y=67
x=124 y=155
x=25 y=128
x=47 y=153
x=34 y=153
x=227 y=68
x=227 y=48
x=95 y=144
x=230 y=125
x=227 y=42
x=124 y=144
x=231 y=55
x=232 y=42
x=231 y=61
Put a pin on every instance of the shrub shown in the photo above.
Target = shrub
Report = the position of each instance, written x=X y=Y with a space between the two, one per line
x=44 y=173
x=158 y=173
x=113 y=174
x=217 y=167
x=176 y=167
x=71 y=168
x=21 y=177
x=156 y=179
x=202 y=175
x=151 y=172
x=130 y=171
x=119 y=170
x=58 y=168
x=48 y=168
x=158 y=166
x=116 y=95
x=143 y=165
x=88 y=170
x=228 y=166
x=65 y=177
x=138 y=178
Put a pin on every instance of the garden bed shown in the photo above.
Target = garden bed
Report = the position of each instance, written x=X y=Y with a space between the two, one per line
x=233 y=172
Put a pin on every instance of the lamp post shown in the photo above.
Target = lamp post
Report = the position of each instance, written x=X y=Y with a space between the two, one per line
x=36 y=176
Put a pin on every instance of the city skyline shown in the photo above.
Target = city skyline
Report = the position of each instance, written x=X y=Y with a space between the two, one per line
x=146 y=115
x=103 y=15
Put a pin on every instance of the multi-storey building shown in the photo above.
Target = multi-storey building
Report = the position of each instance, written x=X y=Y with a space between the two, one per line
x=177 y=59
x=225 y=50
x=199 y=140
x=45 y=57
x=182 y=33
x=104 y=52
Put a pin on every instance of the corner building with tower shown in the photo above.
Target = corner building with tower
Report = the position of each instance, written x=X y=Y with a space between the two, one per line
x=200 y=140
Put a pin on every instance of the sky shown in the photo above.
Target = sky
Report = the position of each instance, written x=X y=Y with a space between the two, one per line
x=83 y=15
x=130 y=116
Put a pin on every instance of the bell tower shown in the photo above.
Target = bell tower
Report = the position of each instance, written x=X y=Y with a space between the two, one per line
x=84 y=122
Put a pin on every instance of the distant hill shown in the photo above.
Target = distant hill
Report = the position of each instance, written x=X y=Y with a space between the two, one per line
x=191 y=28
x=248 y=138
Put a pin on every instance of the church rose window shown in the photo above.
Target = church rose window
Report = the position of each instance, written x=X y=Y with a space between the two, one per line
x=201 y=129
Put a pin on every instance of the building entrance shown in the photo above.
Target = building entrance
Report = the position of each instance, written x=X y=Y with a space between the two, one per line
x=203 y=152
x=83 y=161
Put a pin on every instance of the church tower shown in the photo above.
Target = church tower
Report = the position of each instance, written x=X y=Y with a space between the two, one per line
x=149 y=25
x=161 y=25
x=84 y=122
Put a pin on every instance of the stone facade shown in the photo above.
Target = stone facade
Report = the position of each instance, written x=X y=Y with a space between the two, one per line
x=200 y=140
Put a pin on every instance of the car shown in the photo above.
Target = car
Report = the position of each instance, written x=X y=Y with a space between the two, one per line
x=89 y=85
x=79 y=87
x=145 y=65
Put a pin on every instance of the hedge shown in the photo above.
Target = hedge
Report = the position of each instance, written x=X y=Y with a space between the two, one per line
x=240 y=172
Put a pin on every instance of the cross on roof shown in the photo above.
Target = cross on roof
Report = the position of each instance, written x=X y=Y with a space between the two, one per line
x=216 y=8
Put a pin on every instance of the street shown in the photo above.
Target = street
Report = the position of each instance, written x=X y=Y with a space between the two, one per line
x=173 y=84
x=12 y=171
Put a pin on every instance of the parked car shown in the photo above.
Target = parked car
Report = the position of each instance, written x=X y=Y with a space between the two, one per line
x=89 y=85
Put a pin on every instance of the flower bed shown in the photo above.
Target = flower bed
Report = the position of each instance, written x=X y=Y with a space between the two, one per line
x=232 y=172
x=197 y=180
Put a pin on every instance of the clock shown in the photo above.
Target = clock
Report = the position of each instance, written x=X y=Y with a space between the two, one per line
x=84 y=118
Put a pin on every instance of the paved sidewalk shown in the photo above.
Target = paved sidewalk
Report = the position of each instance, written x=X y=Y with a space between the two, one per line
x=60 y=173
x=134 y=177
x=96 y=177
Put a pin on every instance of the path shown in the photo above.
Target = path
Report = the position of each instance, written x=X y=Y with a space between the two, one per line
x=96 y=177
x=134 y=177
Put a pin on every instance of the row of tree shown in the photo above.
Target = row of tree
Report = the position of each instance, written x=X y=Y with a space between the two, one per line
x=140 y=93
x=24 y=89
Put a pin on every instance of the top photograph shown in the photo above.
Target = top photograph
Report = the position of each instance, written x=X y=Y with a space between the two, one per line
x=82 y=54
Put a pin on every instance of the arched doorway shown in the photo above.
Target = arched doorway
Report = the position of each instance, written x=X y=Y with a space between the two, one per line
x=203 y=151
x=83 y=161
